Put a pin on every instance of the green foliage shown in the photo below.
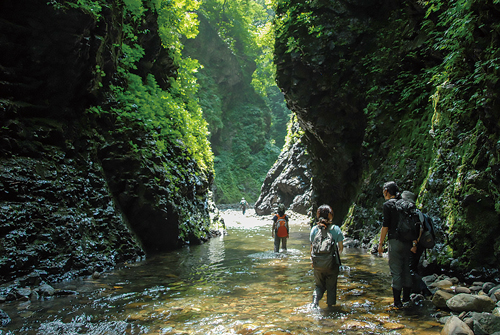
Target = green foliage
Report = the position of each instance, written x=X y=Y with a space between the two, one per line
x=242 y=163
x=245 y=128
x=210 y=102
x=174 y=114
x=235 y=22
x=233 y=181
x=91 y=7
x=165 y=115
x=135 y=8
x=292 y=134
x=247 y=29
x=466 y=79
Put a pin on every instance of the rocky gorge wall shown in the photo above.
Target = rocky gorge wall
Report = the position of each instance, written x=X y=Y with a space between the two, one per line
x=288 y=182
x=83 y=192
x=379 y=100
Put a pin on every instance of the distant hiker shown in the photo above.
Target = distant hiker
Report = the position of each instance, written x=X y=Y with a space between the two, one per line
x=418 y=247
x=280 y=230
x=399 y=247
x=243 y=205
x=326 y=247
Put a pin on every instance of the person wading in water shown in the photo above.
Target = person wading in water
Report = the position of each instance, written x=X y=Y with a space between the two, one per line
x=281 y=229
x=399 y=250
x=325 y=256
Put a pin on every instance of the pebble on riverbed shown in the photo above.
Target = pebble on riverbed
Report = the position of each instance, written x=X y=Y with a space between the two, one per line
x=4 y=319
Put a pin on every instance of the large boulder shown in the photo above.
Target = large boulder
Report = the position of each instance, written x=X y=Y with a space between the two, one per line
x=483 y=323
x=455 y=326
x=440 y=298
x=468 y=302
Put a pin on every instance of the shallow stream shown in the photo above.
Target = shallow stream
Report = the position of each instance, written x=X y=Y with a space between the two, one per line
x=233 y=284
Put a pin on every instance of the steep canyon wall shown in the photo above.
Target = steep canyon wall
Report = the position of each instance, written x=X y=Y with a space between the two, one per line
x=389 y=90
x=81 y=192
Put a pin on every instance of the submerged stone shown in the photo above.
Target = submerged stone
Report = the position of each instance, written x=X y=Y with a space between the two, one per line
x=4 y=318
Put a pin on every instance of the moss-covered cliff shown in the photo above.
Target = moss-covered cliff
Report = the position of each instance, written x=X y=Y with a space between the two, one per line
x=103 y=149
x=403 y=91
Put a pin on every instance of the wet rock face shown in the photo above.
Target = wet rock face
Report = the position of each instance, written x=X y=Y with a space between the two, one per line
x=162 y=212
x=329 y=62
x=38 y=60
x=324 y=88
x=288 y=182
x=78 y=194
x=57 y=214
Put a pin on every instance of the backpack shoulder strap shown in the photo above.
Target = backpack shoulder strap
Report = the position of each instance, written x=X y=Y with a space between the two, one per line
x=421 y=216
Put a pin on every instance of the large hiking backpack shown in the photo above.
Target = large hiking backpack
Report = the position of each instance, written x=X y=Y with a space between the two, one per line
x=281 y=230
x=324 y=250
x=408 y=221
x=427 y=239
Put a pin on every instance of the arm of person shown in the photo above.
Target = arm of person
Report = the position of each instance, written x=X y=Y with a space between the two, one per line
x=385 y=227
x=274 y=226
x=287 y=227
x=421 y=229
x=383 y=234
x=312 y=233
x=414 y=246
x=311 y=237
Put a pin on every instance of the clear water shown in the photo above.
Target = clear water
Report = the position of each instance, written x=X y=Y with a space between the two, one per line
x=234 y=284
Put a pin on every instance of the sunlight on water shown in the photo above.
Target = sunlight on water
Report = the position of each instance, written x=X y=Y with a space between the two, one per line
x=233 y=284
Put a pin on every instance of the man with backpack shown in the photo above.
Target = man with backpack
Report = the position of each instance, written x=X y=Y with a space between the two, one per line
x=399 y=223
x=425 y=240
x=326 y=246
x=280 y=230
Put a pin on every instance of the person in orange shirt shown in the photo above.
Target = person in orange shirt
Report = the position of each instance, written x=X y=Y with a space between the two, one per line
x=280 y=230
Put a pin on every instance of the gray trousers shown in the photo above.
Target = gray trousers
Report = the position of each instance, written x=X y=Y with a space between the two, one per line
x=326 y=280
x=277 y=241
x=399 y=263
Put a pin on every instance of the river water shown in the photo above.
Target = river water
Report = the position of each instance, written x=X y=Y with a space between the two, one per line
x=233 y=284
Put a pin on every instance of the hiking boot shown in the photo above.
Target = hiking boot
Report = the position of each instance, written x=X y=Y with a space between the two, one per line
x=397 y=298
x=427 y=293
x=315 y=302
x=406 y=294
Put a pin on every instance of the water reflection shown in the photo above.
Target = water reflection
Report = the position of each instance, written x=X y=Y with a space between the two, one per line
x=234 y=284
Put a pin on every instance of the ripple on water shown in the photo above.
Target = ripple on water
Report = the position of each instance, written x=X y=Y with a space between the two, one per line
x=276 y=255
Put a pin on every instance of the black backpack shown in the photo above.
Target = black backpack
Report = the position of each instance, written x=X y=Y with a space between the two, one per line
x=428 y=238
x=408 y=227
x=324 y=250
